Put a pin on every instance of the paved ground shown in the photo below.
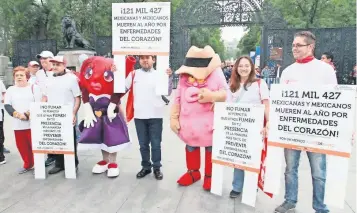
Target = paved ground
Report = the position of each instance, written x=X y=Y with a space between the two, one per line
x=98 y=194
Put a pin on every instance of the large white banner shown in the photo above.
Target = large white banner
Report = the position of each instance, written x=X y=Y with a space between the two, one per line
x=238 y=143
x=141 y=29
x=52 y=128
x=317 y=119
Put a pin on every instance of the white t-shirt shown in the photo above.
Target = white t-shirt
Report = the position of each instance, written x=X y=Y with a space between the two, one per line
x=32 y=79
x=42 y=79
x=147 y=104
x=313 y=73
x=62 y=90
x=253 y=94
x=20 y=98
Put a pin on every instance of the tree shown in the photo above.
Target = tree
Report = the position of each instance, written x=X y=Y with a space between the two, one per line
x=317 y=13
x=250 y=40
x=208 y=36
x=306 y=14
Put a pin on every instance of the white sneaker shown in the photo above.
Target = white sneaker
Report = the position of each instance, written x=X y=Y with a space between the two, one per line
x=100 y=167
x=113 y=170
x=2 y=162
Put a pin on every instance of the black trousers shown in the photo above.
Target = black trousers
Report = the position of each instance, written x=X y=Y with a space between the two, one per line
x=60 y=158
x=2 y=137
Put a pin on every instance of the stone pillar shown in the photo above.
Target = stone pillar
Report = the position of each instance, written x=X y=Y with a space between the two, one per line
x=72 y=56
x=4 y=63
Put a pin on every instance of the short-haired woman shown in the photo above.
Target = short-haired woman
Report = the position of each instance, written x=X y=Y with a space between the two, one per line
x=18 y=99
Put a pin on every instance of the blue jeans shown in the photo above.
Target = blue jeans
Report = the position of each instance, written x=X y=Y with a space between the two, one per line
x=149 y=131
x=318 y=171
x=238 y=180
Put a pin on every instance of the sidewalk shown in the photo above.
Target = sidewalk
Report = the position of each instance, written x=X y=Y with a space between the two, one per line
x=125 y=194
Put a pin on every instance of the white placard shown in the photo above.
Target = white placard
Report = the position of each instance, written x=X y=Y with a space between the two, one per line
x=162 y=85
x=238 y=143
x=51 y=132
x=316 y=119
x=141 y=28
x=119 y=74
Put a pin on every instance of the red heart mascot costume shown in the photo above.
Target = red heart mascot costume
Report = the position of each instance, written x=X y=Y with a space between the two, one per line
x=201 y=84
x=104 y=126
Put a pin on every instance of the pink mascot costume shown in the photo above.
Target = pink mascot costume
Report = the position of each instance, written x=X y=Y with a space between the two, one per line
x=201 y=84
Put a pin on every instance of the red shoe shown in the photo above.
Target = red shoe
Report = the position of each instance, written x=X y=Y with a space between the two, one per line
x=193 y=161
x=208 y=171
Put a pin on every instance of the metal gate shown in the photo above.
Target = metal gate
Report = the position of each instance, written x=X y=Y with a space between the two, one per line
x=26 y=50
x=341 y=42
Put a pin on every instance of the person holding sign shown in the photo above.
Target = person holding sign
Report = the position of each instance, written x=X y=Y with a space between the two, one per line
x=306 y=70
x=42 y=76
x=17 y=103
x=63 y=89
x=246 y=88
x=201 y=84
x=146 y=107
x=104 y=125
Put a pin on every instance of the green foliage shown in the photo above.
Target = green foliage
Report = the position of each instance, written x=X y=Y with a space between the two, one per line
x=201 y=37
x=317 y=13
x=250 y=40
x=41 y=19
x=305 y=14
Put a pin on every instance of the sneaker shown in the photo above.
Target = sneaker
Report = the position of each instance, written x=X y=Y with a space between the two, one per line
x=2 y=162
x=158 y=174
x=23 y=170
x=113 y=170
x=6 y=151
x=234 y=194
x=286 y=207
x=55 y=170
x=143 y=173
x=49 y=161
x=100 y=167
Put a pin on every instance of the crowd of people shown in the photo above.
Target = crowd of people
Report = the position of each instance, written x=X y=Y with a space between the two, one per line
x=57 y=85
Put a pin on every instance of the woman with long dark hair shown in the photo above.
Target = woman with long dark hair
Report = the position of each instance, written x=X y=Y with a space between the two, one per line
x=246 y=88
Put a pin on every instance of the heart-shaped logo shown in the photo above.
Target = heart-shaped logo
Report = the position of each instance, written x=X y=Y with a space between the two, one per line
x=98 y=113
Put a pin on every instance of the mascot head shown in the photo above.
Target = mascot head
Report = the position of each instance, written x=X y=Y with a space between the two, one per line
x=200 y=63
x=96 y=75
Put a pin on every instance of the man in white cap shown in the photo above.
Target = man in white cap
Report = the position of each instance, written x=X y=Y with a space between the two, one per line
x=33 y=67
x=63 y=89
x=41 y=77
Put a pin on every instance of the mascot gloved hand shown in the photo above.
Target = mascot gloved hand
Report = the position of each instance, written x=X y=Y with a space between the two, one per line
x=111 y=112
x=89 y=117
x=104 y=126
x=201 y=84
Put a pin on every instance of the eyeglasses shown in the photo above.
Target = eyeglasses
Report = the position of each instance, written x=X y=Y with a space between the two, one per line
x=299 y=45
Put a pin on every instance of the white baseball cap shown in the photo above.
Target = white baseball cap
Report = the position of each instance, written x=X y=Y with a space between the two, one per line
x=33 y=63
x=45 y=54
x=58 y=59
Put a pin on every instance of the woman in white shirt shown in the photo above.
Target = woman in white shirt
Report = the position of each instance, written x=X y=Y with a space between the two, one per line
x=246 y=88
x=17 y=103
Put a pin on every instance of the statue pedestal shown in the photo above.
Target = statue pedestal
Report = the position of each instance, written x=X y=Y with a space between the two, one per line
x=71 y=56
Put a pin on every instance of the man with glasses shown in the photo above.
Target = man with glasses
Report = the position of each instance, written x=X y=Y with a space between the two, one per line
x=306 y=70
x=42 y=77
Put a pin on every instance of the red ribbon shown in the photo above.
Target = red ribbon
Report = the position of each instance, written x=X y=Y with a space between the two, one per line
x=305 y=60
